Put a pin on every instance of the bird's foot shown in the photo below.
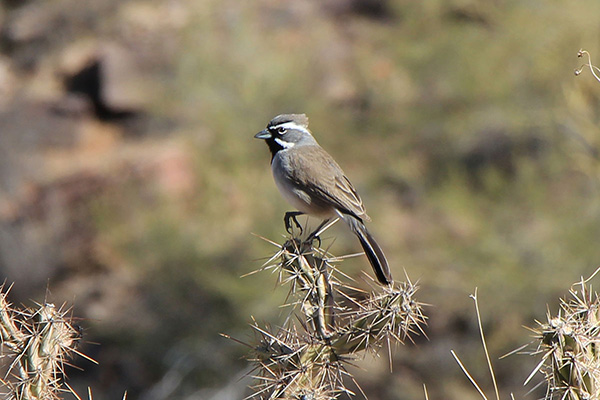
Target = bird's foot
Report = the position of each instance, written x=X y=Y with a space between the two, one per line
x=312 y=237
x=315 y=235
x=292 y=216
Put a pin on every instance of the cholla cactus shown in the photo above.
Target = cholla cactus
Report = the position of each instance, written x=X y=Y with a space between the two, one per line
x=36 y=343
x=330 y=323
x=570 y=347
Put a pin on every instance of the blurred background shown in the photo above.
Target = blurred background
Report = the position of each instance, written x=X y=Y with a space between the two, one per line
x=130 y=184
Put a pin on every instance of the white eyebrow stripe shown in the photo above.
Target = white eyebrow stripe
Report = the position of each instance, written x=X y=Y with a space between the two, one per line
x=284 y=144
x=292 y=125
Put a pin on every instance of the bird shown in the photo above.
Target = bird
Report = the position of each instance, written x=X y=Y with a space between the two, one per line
x=312 y=182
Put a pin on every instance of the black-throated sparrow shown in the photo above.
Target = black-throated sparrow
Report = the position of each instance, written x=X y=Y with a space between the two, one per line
x=310 y=179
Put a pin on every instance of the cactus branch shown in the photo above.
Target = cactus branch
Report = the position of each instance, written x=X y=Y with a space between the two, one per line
x=330 y=324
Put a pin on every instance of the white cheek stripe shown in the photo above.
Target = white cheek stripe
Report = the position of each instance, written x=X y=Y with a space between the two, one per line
x=293 y=125
x=284 y=144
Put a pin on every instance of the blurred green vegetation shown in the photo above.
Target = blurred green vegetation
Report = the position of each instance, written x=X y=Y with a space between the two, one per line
x=472 y=143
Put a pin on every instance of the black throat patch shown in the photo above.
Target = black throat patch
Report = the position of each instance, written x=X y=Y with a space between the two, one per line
x=274 y=147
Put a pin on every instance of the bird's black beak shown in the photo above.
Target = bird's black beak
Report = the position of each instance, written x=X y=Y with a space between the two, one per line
x=264 y=134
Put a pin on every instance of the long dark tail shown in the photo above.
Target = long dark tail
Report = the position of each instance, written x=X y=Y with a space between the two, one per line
x=372 y=250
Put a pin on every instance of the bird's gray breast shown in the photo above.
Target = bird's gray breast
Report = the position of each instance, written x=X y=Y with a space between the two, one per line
x=292 y=189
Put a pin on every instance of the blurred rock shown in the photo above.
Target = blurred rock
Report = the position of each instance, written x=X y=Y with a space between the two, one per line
x=28 y=127
x=107 y=77
x=48 y=229
x=174 y=172
x=8 y=82
x=123 y=87
x=26 y=31
x=29 y=22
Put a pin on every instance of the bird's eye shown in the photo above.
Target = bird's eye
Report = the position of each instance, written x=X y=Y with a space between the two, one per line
x=281 y=130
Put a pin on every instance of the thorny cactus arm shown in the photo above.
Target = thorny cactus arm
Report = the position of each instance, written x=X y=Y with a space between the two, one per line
x=570 y=347
x=35 y=346
x=387 y=317
x=310 y=275
x=8 y=330
x=329 y=325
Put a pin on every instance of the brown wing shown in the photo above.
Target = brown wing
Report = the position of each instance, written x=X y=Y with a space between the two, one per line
x=321 y=177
